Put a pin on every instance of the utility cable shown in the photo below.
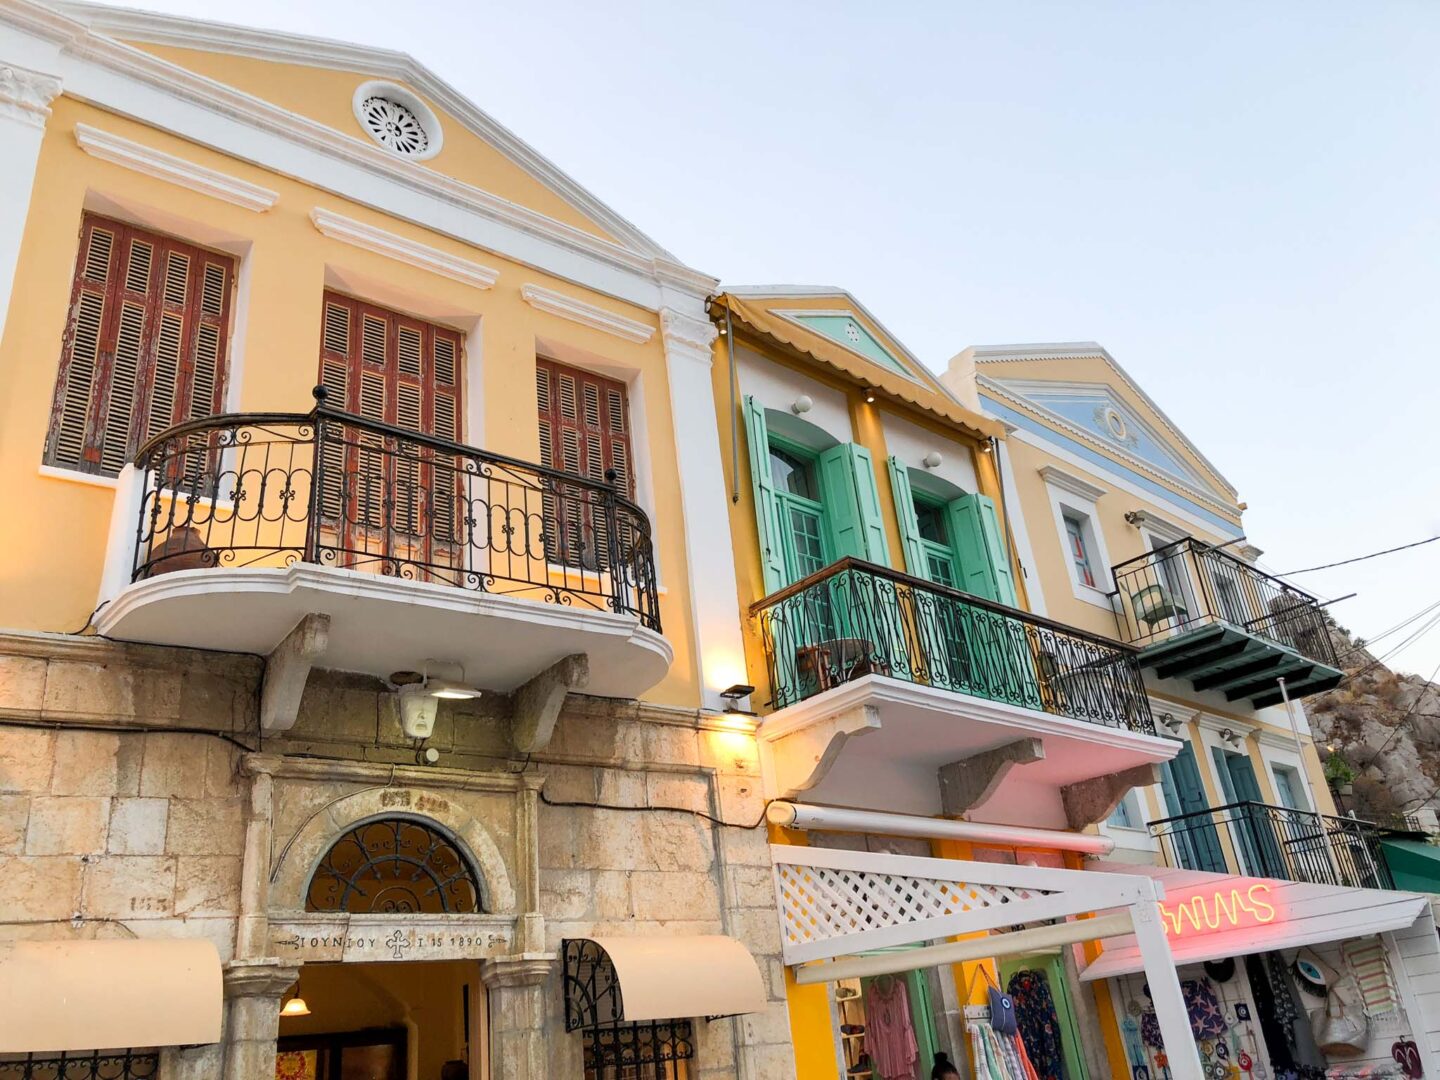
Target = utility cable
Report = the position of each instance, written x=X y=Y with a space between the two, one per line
x=1402 y=721
x=670 y=809
x=1395 y=650
x=1360 y=558
x=1427 y=609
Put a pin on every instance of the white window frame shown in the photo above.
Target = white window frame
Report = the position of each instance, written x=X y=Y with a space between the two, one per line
x=1071 y=496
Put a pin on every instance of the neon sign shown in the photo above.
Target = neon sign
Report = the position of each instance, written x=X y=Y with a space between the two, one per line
x=1224 y=909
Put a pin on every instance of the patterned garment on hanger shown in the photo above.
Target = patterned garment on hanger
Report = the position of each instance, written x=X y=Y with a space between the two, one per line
x=1038 y=1023
x=889 y=1035
x=1207 y=1018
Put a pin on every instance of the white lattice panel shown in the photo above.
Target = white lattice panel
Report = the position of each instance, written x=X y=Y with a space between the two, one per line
x=834 y=903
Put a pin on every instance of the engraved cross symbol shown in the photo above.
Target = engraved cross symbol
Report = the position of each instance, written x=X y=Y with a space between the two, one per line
x=397 y=943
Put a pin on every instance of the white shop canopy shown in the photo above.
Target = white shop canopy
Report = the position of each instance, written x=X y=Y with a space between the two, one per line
x=1213 y=916
x=662 y=977
x=108 y=995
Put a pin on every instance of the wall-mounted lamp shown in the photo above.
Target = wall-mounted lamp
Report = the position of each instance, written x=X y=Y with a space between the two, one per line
x=296 y=1005
x=420 y=696
x=933 y=460
x=1169 y=723
x=1231 y=737
x=988 y=446
x=869 y=395
x=1133 y=517
x=802 y=404
x=734 y=695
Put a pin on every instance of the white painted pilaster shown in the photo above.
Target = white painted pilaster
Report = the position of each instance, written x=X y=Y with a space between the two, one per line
x=689 y=338
x=25 y=97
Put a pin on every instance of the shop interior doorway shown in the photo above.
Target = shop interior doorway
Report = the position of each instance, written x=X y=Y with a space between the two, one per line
x=397 y=1021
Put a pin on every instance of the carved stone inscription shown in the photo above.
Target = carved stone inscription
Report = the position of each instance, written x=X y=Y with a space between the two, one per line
x=371 y=938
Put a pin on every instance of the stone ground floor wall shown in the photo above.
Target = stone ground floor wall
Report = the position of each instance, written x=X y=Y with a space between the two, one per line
x=137 y=800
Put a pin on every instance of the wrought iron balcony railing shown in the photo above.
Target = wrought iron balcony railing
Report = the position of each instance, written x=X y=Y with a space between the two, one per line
x=337 y=490
x=1189 y=584
x=855 y=618
x=1259 y=840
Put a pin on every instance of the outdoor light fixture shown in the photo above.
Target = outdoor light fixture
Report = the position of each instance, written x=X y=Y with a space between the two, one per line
x=987 y=447
x=802 y=404
x=869 y=396
x=1169 y=723
x=296 y=1005
x=733 y=695
x=1231 y=737
x=420 y=697
x=933 y=460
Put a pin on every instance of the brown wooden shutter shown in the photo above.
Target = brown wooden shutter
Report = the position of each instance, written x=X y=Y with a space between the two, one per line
x=585 y=431
x=144 y=348
x=398 y=370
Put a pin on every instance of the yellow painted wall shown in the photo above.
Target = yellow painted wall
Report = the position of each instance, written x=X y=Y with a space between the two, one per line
x=50 y=569
x=326 y=96
x=812 y=1027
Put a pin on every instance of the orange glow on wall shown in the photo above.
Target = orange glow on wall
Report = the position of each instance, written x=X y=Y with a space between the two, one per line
x=1222 y=909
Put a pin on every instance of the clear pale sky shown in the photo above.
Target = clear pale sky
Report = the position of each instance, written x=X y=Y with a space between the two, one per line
x=1241 y=201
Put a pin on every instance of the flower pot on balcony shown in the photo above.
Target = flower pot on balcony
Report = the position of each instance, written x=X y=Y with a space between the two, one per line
x=182 y=549
x=1153 y=605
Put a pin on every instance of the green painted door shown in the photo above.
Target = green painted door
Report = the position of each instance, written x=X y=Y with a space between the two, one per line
x=1255 y=829
x=1053 y=969
x=1194 y=842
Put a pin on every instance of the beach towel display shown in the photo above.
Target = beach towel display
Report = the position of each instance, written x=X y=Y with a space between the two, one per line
x=1371 y=971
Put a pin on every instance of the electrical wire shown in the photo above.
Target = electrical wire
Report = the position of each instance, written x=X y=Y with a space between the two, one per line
x=671 y=809
x=1361 y=558
x=1402 y=721
x=1386 y=633
x=124 y=729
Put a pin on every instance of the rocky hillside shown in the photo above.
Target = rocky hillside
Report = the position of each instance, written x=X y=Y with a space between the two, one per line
x=1394 y=771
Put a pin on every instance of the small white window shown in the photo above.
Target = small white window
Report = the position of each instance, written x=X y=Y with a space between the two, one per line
x=1126 y=814
x=1079 y=550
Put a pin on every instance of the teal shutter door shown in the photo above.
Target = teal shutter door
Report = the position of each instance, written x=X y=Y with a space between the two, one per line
x=767 y=510
x=905 y=514
x=852 y=503
x=980 y=546
x=1197 y=841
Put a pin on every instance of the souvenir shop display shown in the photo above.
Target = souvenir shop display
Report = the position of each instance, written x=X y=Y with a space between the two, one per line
x=889 y=1033
x=997 y=1055
x=1002 y=1008
x=1371 y=972
x=1038 y=1022
x=1230 y=1046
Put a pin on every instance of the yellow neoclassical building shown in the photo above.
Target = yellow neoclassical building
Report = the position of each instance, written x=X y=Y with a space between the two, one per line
x=363 y=634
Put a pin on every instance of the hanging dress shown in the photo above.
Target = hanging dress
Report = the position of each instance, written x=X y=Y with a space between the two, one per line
x=1038 y=1023
x=889 y=1035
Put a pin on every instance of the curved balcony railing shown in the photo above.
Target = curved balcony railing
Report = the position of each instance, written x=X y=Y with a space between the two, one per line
x=337 y=490
x=856 y=618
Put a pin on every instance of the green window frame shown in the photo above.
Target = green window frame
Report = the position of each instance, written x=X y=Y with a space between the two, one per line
x=842 y=494
x=973 y=546
x=804 y=530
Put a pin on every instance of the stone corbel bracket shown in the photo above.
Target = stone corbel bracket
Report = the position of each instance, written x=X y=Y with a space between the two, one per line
x=286 y=670
x=968 y=783
x=800 y=758
x=1090 y=801
x=536 y=705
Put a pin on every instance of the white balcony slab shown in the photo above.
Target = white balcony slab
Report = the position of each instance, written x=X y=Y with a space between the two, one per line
x=379 y=625
x=878 y=743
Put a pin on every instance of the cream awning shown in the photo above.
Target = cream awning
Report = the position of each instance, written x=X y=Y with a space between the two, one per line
x=108 y=995
x=663 y=978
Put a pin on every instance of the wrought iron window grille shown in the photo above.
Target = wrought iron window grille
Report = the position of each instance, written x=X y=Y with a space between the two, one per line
x=111 y=1065
x=648 y=1045
x=394 y=866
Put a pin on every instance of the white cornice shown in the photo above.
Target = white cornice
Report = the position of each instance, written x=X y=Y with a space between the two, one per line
x=688 y=336
x=132 y=25
x=597 y=318
x=357 y=233
x=131 y=82
x=25 y=95
x=1066 y=481
x=175 y=170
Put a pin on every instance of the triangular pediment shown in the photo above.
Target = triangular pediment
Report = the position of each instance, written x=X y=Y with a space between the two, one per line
x=318 y=79
x=1084 y=390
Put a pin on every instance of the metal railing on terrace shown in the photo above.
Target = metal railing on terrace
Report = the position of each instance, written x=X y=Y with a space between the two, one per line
x=337 y=490
x=1190 y=584
x=1260 y=840
x=855 y=618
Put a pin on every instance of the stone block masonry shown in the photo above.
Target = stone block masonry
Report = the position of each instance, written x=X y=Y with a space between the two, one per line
x=115 y=822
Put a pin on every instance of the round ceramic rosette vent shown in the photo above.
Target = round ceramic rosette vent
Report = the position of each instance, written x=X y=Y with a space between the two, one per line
x=398 y=120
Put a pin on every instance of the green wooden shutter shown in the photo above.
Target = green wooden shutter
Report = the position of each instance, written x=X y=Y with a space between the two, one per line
x=905 y=514
x=767 y=510
x=980 y=546
x=852 y=503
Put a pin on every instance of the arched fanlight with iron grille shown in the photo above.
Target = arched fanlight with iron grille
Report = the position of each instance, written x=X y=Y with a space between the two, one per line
x=395 y=866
